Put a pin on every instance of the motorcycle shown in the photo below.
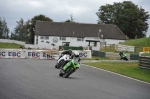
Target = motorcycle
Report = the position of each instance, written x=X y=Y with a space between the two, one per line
x=124 y=57
x=62 y=61
x=69 y=68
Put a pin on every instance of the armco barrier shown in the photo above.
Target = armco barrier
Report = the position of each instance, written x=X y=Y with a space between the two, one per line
x=111 y=55
x=134 y=56
x=98 y=53
x=70 y=47
x=144 y=62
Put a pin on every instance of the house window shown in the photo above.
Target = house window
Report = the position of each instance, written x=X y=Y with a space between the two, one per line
x=80 y=39
x=42 y=37
x=63 y=38
x=47 y=37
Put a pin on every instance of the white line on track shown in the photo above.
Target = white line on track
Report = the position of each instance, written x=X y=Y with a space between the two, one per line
x=116 y=74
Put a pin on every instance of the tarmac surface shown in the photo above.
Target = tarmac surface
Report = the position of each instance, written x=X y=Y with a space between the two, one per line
x=39 y=79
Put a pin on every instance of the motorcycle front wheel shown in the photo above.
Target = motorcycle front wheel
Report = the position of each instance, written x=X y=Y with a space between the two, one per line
x=60 y=64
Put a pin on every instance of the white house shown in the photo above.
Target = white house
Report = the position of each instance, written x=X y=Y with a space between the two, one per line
x=51 y=35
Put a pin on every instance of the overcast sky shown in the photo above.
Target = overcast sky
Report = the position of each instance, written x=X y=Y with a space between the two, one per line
x=83 y=11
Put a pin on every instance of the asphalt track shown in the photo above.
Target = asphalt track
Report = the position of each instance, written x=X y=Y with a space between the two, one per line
x=38 y=79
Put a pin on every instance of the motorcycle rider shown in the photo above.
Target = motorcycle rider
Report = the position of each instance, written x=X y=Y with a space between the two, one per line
x=122 y=55
x=69 y=52
x=76 y=59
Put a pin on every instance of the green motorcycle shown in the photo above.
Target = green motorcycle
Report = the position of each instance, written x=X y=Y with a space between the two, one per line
x=123 y=56
x=69 y=68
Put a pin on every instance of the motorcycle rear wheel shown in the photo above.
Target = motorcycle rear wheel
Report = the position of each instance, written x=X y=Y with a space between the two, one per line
x=69 y=71
x=56 y=65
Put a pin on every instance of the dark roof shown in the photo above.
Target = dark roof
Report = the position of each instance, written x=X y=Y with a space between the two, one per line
x=47 y=28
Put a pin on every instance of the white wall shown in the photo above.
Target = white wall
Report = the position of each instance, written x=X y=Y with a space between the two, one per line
x=113 y=41
x=73 y=42
x=12 y=41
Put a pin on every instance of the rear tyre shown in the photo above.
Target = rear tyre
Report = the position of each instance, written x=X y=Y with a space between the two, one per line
x=126 y=58
x=69 y=71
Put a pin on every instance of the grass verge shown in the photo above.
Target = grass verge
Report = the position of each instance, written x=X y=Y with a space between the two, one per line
x=97 y=58
x=10 y=45
x=128 y=69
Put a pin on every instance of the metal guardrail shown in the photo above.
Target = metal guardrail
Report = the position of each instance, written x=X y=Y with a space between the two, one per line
x=98 y=53
x=144 y=62
x=134 y=56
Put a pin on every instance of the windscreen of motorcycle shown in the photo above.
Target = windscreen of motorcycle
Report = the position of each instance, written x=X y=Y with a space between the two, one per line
x=76 y=60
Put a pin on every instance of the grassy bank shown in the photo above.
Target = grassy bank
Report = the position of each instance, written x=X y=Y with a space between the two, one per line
x=127 y=69
x=143 y=42
x=138 y=43
x=97 y=58
x=10 y=45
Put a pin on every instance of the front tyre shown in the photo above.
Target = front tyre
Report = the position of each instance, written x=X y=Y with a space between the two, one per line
x=56 y=66
x=60 y=64
x=60 y=74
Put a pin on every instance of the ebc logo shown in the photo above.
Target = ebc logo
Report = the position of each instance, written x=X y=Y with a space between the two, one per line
x=47 y=56
x=83 y=54
x=14 y=54
x=34 y=54
x=2 y=53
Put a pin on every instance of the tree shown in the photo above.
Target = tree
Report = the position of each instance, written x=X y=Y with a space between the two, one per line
x=24 y=31
x=4 y=30
x=20 y=31
x=33 y=23
x=68 y=21
x=127 y=16
x=71 y=20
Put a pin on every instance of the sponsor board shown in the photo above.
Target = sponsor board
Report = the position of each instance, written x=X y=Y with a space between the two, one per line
x=83 y=54
x=34 y=54
x=11 y=53
x=120 y=47
x=146 y=49
x=37 y=54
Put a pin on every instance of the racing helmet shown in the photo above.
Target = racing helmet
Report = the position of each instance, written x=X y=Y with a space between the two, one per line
x=70 y=51
x=76 y=54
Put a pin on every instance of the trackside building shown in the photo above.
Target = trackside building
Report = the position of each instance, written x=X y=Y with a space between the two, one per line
x=49 y=35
